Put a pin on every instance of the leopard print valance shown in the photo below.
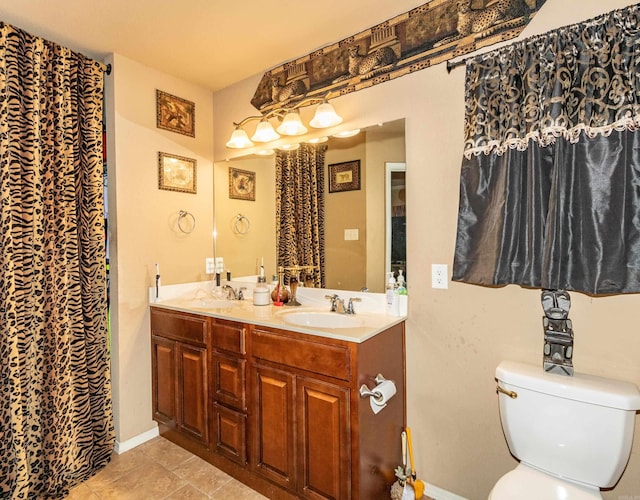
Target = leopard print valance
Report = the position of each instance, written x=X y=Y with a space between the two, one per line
x=583 y=78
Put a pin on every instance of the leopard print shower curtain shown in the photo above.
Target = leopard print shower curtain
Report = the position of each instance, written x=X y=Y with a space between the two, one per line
x=300 y=209
x=56 y=425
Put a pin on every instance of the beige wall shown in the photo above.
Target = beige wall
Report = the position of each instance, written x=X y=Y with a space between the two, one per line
x=143 y=227
x=456 y=337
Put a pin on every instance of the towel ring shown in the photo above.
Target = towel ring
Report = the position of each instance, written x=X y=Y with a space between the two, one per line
x=241 y=225
x=183 y=214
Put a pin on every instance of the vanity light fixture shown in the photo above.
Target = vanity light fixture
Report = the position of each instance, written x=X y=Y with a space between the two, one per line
x=291 y=124
x=325 y=116
x=239 y=139
x=265 y=132
x=347 y=133
x=318 y=140
x=265 y=152
x=289 y=147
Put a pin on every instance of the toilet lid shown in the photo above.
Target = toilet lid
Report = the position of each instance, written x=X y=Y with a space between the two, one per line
x=527 y=483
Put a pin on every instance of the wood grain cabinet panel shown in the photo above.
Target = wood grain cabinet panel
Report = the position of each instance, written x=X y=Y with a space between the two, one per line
x=229 y=380
x=273 y=428
x=163 y=360
x=323 y=439
x=230 y=431
x=192 y=391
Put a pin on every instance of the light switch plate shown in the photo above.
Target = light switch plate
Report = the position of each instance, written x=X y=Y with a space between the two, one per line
x=210 y=265
x=351 y=234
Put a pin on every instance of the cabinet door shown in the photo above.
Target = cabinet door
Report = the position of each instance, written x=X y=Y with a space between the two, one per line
x=164 y=381
x=230 y=433
x=323 y=440
x=192 y=391
x=273 y=427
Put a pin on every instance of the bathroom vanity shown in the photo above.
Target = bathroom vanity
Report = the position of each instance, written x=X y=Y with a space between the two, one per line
x=277 y=405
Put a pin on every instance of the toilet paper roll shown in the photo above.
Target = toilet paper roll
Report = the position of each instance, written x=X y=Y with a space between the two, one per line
x=382 y=393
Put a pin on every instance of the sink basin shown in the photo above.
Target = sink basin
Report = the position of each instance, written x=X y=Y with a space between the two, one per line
x=322 y=319
x=211 y=303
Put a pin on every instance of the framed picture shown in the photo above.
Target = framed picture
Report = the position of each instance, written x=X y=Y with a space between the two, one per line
x=344 y=176
x=177 y=173
x=242 y=184
x=175 y=114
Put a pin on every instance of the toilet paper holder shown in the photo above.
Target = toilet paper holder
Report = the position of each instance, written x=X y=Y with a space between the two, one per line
x=366 y=392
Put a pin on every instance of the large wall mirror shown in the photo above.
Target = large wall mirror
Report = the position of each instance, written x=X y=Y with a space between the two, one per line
x=360 y=225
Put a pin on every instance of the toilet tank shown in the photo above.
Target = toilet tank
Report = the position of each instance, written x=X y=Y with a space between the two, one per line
x=579 y=428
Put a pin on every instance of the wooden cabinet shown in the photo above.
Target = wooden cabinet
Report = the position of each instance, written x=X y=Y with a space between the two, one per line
x=179 y=367
x=229 y=404
x=284 y=413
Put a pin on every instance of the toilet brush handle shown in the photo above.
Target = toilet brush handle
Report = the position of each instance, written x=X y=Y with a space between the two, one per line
x=403 y=438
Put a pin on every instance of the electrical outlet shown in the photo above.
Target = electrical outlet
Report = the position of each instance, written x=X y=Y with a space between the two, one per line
x=439 y=277
x=210 y=265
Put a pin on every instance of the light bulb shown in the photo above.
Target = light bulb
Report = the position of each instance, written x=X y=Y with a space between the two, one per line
x=265 y=132
x=347 y=133
x=292 y=125
x=325 y=116
x=239 y=139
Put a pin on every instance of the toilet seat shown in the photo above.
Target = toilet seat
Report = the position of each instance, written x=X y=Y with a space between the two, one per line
x=526 y=483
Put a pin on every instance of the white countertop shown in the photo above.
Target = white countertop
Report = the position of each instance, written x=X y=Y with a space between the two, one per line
x=199 y=298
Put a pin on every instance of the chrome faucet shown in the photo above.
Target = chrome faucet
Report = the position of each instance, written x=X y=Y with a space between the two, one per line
x=350 y=309
x=233 y=294
x=337 y=304
x=334 y=301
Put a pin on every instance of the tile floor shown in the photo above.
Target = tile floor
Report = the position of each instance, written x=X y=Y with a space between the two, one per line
x=161 y=470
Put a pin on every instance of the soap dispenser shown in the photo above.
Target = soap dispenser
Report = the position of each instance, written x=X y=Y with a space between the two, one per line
x=391 y=297
x=261 y=295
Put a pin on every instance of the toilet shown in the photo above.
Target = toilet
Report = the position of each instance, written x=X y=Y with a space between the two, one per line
x=572 y=435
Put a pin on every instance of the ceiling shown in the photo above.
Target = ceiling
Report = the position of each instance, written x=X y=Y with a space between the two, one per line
x=211 y=43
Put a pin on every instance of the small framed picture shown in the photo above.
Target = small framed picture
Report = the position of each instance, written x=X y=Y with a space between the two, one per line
x=242 y=184
x=177 y=173
x=344 y=176
x=175 y=114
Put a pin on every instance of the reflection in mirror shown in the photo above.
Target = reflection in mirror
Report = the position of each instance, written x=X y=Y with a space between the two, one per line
x=356 y=226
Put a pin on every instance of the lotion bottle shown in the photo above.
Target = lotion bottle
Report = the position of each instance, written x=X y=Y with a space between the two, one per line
x=391 y=297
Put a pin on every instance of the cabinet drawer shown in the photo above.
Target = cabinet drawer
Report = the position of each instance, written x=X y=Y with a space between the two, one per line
x=229 y=380
x=316 y=357
x=229 y=336
x=230 y=433
x=179 y=326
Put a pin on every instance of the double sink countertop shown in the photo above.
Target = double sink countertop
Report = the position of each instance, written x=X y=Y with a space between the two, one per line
x=312 y=317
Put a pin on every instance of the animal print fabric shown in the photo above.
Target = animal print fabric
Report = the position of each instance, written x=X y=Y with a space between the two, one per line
x=56 y=425
x=300 y=209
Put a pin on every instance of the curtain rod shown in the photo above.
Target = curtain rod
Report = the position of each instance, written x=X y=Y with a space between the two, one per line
x=454 y=65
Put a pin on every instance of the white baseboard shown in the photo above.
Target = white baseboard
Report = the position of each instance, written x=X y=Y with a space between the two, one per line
x=439 y=494
x=121 y=447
